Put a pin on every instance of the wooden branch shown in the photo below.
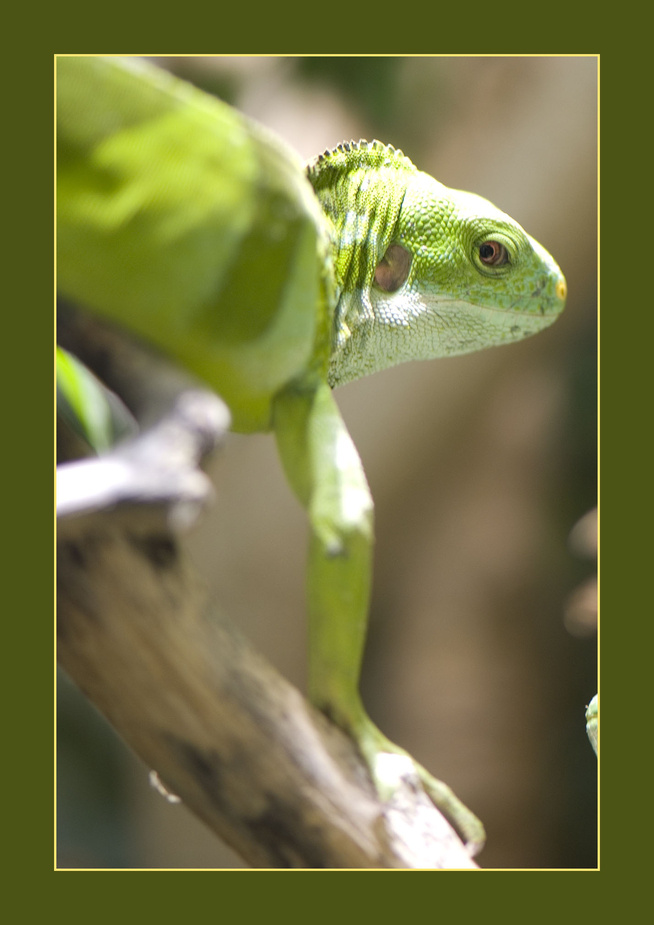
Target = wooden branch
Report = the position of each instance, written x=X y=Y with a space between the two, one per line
x=219 y=726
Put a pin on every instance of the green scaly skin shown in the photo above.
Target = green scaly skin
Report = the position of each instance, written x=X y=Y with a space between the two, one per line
x=199 y=230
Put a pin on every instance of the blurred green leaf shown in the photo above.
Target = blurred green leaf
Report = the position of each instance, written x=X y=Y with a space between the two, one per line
x=88 y=407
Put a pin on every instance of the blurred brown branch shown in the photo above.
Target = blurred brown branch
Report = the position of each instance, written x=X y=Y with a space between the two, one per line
x=137 y=633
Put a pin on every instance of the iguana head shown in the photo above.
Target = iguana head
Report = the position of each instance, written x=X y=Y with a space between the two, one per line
x=449 y=274
x=471 y=268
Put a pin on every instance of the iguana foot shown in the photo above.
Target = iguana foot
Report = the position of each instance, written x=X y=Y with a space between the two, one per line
x=390 y=765
x=592 y=721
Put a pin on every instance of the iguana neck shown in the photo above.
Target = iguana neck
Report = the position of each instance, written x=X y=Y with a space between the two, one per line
x=360 y=186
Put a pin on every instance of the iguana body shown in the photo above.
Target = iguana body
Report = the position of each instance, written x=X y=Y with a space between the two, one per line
x=196 y=228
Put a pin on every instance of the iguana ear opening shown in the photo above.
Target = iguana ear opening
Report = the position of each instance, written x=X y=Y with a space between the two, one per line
x=393 y=269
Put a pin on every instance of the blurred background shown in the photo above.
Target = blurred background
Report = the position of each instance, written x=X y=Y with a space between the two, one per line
x=482 y=652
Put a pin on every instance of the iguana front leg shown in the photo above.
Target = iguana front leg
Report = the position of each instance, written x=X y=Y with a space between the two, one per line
x=324 y=469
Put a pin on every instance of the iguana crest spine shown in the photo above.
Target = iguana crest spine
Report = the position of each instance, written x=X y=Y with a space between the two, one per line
x=372 y=154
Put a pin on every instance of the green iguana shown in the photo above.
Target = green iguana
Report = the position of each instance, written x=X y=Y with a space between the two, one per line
x=198 y=229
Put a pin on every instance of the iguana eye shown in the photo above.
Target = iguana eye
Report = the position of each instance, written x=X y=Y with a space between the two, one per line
x=393 y=269
x=493 y=254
